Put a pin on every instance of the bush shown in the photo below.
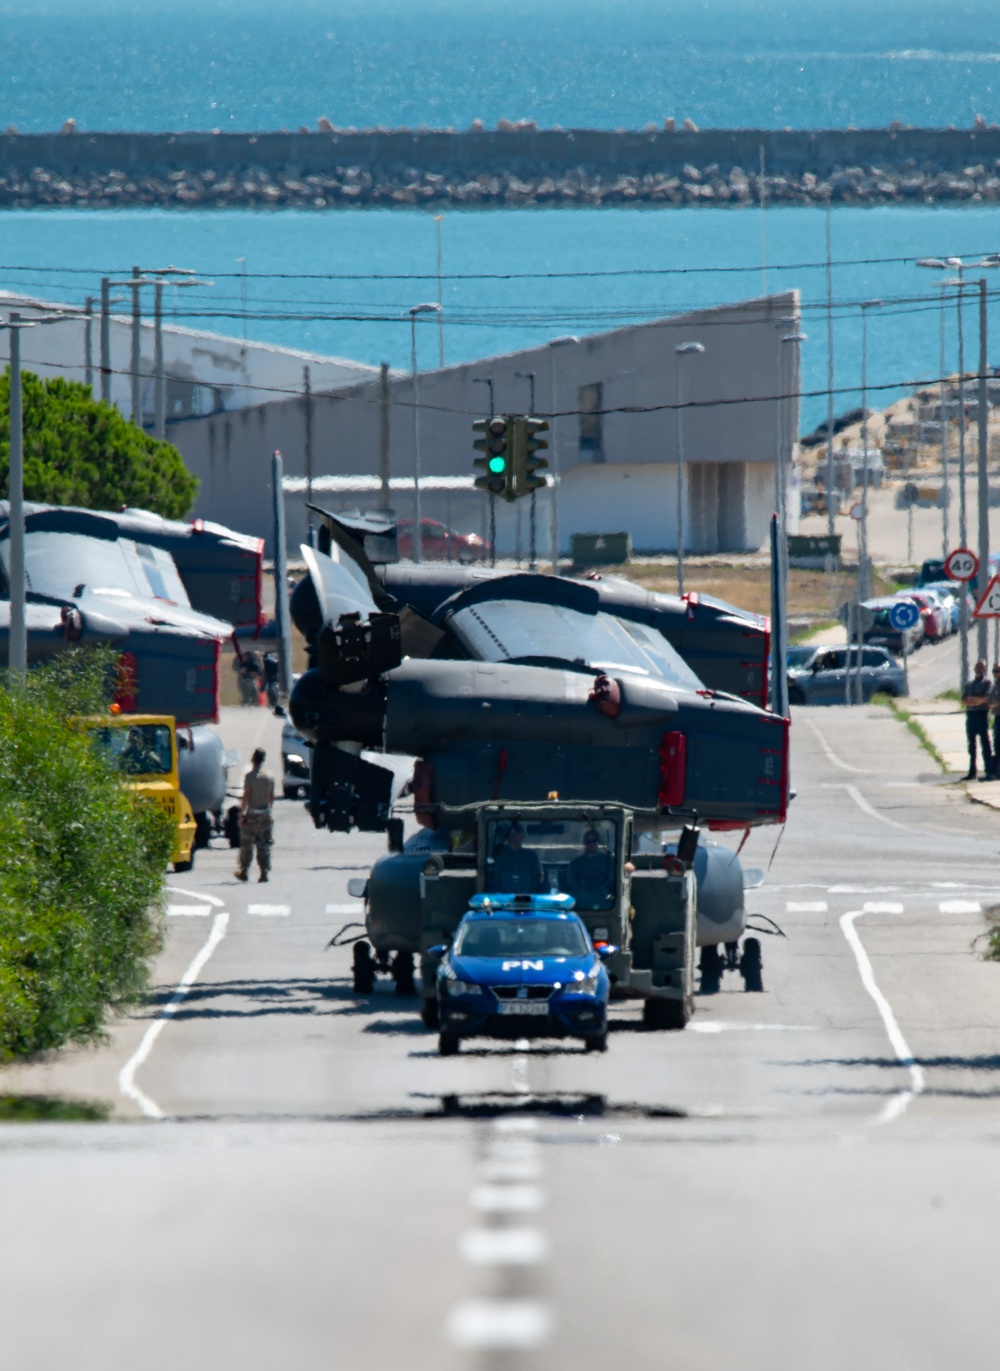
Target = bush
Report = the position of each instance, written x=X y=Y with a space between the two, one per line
x=80 y=451
x=81 y=866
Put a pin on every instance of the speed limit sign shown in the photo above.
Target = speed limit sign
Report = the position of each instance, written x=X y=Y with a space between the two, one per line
x=961 y=565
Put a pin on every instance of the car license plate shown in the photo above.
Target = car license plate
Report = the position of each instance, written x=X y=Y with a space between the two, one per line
x=524 y=1007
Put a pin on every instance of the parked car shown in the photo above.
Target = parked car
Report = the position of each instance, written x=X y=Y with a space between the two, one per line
x=932 y=613
x=882 y=633
x=951 y=593
x=822 y=679
x=294 y=763
x=438 y=540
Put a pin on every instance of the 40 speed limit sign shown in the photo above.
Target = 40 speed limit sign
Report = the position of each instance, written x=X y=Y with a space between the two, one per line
x=961 y=565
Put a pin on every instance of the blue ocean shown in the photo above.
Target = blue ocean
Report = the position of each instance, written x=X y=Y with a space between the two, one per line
x=340 y=281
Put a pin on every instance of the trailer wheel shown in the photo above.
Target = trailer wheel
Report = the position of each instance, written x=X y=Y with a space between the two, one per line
x=430 y=1013
x=658 y=1014
x=448 y=1044
x=364 y=969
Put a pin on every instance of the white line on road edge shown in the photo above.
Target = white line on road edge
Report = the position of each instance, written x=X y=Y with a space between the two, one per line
x=727 y=1026
x=830 y=754
x=195 y=894
x=898 y=1104
x=870 y=809
x=126 y=1077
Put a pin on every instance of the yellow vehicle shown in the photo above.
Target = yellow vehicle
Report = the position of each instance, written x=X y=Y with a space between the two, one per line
x=144 y=749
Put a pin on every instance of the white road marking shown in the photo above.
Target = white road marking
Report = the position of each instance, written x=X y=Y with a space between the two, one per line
x=863 y=890
x=515 y=1123
x=197 y=894
x=882 y=907
x=504 y=1246
x=345 y=908
x=511 y=1324
x=806 y=907
x=897 y=1105
x=960 y=907
x=270 y=910
x=721 y=1026
x=519 y=1067
x=193 y=911
x=126 y=1077
x=507 y=1199
x=870 y=810
x=514 y=1169
x=831 y=756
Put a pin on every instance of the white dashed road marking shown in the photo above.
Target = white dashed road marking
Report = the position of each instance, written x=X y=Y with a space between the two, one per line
x=193 y=911
x=504 y=1246
x=898 y=1103
x=507 y=1199
x=882 y=907
x=509 y=1324
x=345 y=908
x=270 y=910
x=960 y=907
x=806 y=907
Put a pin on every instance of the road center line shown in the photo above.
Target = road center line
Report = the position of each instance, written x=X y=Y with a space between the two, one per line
x=126 y=1077
x=898 y=1104
x=870 y=809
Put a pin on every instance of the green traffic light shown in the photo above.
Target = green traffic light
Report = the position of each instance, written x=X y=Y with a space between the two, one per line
x=498 y=465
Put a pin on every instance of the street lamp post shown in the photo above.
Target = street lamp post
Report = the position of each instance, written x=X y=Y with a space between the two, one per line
x=418 y=526
x=17 y=656
x=682 y=350
x=779 y=627
x=864 y=574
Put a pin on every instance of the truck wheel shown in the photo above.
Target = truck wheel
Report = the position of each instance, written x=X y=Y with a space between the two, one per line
x=658 y=1014
x=597 y=1043
x=430 y=1014
x=448 y=1044
x=184 y=866
x=710 y=965
x=401 y=968
x=364 y=970
x=751 y=964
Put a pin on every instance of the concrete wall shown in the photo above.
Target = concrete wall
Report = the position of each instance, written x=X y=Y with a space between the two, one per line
x=729 y=421
x=791 y=151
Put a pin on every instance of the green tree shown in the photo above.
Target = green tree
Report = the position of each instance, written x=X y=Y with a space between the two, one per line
x=80 y=451
x=82 y=861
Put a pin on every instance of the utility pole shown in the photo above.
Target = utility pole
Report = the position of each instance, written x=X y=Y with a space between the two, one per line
x=281 y=577
x=982 y=464
x=135 y=364
x=488 y=381
x=418 y=523
x=307 y=393
x=383 y=445
x=106 y=340
x=682 y=350
x=438 y=218
x=830 y=475
x=88 y=342
x=160 y=383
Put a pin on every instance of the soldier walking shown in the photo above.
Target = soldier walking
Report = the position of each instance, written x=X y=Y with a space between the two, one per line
x=255 y=818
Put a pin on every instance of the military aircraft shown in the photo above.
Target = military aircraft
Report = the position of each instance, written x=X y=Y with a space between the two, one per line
x=519 y=687
x=163 y=595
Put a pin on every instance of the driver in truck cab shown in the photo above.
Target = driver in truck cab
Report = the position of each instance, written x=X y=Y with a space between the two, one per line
x=591 y=875
x=517 y=869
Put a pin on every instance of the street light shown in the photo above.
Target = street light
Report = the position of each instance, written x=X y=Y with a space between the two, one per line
x=682 y=350
x=779 y=546
x=431 y=308
x=17 y=656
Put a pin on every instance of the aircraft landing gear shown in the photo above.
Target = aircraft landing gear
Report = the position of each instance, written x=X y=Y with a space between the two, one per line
x=430 y=1013
x=364 y=969
x=732 y=956
x=448 y=1044
x=660 y=1013
x=751 y=964
x=598 y=1043
x=710 y=965
x=401 y=968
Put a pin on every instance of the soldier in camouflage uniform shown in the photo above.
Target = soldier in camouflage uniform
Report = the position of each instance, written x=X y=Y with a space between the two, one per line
x=255 y=818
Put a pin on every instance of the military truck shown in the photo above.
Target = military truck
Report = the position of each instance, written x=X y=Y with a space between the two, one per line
x=643 y=905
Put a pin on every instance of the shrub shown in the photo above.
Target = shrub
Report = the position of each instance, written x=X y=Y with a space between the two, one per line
x=81 y=866
x=80 y=451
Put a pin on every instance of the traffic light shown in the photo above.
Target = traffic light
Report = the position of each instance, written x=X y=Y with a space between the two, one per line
x=529 y=463
x=496 y=465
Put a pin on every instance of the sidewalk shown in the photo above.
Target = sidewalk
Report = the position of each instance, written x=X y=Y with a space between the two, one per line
x=944 y=723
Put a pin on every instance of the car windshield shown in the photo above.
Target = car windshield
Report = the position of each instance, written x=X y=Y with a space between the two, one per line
x=562 y=856
x=521 y=937
x=138 y=750
x=798 y=656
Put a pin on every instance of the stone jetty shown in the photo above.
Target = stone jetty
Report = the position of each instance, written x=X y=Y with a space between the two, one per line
x=517 y=164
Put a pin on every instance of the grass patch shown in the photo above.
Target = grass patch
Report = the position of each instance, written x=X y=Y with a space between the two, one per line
x=82 y=862
x=50 y=1109
x=953 y=694
x=905 y=717
x=991 y=952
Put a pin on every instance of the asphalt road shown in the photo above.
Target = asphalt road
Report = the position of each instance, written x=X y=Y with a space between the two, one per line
x=805 y=1178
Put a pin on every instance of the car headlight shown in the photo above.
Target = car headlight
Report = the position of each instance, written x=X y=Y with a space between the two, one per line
x=294 y=757
x=586 y=985
x=457 y=987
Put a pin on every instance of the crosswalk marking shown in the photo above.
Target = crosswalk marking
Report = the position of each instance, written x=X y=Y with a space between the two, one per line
x=882 y=907
x=960 y=907
x=345 y=908
x=201 y=911
x=269 y=909
x=806 y=907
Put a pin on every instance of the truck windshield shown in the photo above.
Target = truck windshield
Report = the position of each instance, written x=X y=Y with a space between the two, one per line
x=138 y=750
x=575 y=857
x=521 y=937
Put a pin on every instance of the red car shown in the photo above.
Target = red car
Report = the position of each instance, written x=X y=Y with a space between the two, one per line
x=437 y=540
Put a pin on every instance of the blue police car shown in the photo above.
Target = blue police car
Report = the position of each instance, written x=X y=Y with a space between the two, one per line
x=522 y=966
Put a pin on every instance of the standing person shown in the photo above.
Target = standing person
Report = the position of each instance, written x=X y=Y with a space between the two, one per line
x=995 y=711
x=255 y=817
x=976 y=699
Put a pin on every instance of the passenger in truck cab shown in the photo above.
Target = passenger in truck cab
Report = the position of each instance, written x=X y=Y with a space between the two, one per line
x=517 y=870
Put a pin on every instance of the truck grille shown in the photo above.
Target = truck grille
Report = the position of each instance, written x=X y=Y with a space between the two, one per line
x=516 y=992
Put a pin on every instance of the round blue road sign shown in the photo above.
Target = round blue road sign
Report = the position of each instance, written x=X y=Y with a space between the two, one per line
x=904 y=614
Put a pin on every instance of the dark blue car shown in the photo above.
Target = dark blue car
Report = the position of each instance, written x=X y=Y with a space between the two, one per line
x=522 y=966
